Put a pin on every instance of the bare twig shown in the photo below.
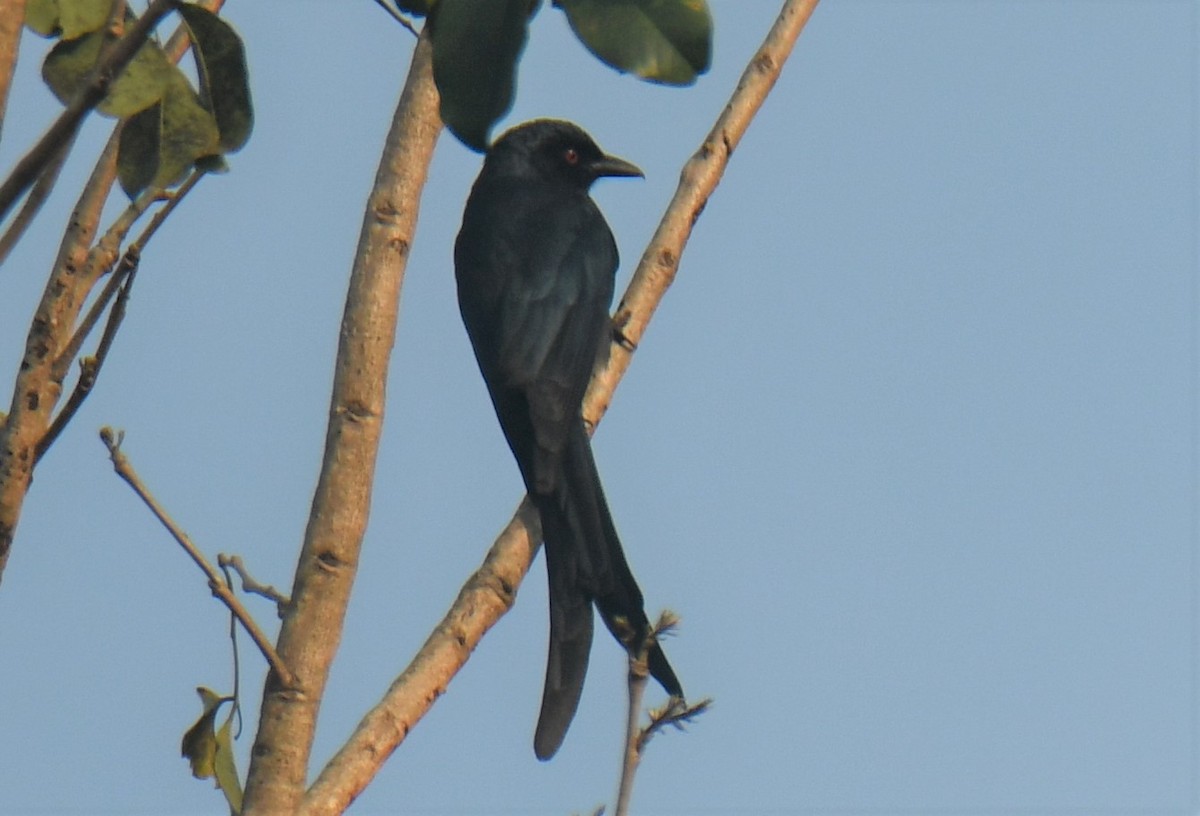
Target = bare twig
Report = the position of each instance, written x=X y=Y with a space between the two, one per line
x=34 y=201
x=251 y=586
x=123 y=278
x=95 y=87
x=636 y=737
x=638 y=674
x=489 y=593
x=89 y=367
x=676 y=713
x=112 y=440
x=312 y=629
x=398 y=17
x=237 y=660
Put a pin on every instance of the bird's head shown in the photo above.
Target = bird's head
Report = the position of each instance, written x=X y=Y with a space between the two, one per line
x=556 y=150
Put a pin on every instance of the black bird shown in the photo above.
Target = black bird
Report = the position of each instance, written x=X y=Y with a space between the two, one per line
x=535 y=264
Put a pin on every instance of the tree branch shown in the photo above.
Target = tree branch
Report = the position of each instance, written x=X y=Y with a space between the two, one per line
x=39 y=381
x=490 y=591
x=34 y=201
x=328 y=561
x=483 y=600
x=251 y=586
x=112 y=440
x=32 y=163
x=699 y=178
x=12 y=18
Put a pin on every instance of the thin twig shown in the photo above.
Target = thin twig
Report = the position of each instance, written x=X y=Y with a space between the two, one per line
x=398 y=17
x=635 y=736
x=122 y=277
x=251 y=586
x=675 y=713
x=34 y=201
x=112 y=440
x=95 y=87
x=89 y=367
x=638 y=674
x=488 y=594
x=237 y=662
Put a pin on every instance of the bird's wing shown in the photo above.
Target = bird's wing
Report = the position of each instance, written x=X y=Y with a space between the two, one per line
x=554 y=318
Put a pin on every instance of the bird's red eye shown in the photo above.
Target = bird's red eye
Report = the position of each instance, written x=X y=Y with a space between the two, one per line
x=571 y=156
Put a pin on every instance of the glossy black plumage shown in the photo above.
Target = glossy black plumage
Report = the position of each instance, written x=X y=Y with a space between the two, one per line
x=535 y=265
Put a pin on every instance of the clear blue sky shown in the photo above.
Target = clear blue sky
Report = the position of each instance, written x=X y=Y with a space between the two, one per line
x=911 y=445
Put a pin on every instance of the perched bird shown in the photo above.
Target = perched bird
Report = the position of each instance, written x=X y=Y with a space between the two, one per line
x=535 y=264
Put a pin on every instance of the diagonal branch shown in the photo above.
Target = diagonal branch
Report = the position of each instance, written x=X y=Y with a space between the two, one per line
x=112 y=440
x=489 y=593
x=12 y=18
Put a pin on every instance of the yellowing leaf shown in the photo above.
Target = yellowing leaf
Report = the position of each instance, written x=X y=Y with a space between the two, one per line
x=225 y=769
x=200 y=741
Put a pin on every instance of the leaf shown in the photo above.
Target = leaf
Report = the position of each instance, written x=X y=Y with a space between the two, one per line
x=139 y=86
x=224 y=768
x=161 y=144
x=224 y=79
x=200 y=741
x=667 y=41
x=211 y=753
x=189 y=133
x=79 y=17
x=475 y=51
x=41 y=17
x=138 y=154
x=68 y=19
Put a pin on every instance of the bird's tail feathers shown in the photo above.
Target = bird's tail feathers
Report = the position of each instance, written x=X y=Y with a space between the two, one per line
x=610 y=581
x=570 y=646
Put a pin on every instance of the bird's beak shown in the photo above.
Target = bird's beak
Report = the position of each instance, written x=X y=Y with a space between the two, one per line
x=612 y=166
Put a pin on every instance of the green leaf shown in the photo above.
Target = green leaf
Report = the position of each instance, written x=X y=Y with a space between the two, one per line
x=475 y=51
x=139 y=86
x=79 y=17
x=667 y=41
x=138 y=153
x=224 y=79
x=161 y=144
x=68 y=19
x=224 y=768
x=41 y=17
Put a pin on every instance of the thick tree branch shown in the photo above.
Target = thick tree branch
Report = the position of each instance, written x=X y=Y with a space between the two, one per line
x=489 y=593
x=328 y=561
x=699 y=178
x=482 y=601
